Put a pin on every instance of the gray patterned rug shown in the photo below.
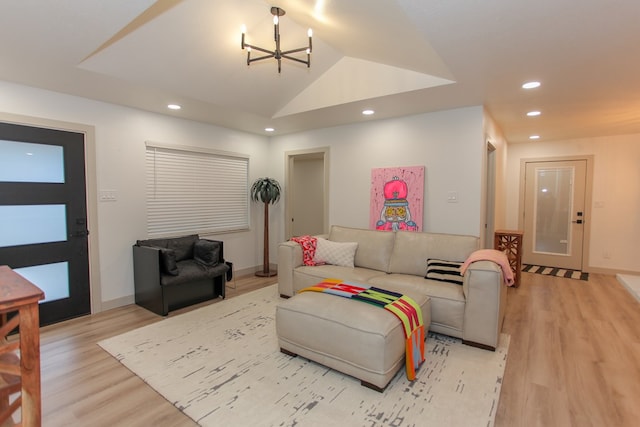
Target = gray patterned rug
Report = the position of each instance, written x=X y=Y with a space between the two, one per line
x=221 y=366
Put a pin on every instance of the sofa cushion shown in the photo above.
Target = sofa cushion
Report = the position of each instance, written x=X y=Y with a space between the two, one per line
x=183 y=246
x=335 y=253
x=411 y=249
x=374 y=247
x=447 y=300
x=192 y=271
x=305 y=276
x=444 y=271
x=168 y=261
x=206 y=252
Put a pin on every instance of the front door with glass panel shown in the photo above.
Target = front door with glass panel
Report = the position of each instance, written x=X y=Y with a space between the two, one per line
x=554 y=214
x=43 y=216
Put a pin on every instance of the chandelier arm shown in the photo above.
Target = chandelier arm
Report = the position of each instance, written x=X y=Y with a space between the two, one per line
x=302 y=61
x=260 y=49
x=261 y=57
x=300 y=49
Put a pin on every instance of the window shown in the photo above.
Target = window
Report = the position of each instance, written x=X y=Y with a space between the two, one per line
x=195 y=190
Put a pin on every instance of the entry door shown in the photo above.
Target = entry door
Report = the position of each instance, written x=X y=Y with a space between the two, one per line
x=554 y=213
x=43 y=216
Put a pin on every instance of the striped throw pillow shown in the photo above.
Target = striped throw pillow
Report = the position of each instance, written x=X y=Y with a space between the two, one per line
x=444 y=271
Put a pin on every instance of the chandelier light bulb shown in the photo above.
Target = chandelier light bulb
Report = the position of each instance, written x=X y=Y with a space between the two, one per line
x=243 y=29
x=275 y=20
x=310 y=32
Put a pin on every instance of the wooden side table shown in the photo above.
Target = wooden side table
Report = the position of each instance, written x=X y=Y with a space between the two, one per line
x=510 y=242
x=19 y=296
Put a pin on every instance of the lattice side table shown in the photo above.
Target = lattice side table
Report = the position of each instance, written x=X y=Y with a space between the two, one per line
x=510 y=242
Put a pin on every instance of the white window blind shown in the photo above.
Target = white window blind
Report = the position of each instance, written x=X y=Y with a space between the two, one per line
x=191 y=191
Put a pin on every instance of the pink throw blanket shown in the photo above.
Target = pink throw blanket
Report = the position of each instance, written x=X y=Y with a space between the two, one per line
x=491 y=255
x=308 y=244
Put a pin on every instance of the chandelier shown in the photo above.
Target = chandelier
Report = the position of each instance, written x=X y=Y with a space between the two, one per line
x=278 y=53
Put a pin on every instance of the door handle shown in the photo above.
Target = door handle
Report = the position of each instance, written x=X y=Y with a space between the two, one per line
x=578 y=221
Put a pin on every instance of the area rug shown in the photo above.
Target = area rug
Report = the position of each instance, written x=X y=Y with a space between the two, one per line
x=221 y=365
x=555 y=271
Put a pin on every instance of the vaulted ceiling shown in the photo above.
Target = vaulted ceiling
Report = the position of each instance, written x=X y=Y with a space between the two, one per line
x=396 y=57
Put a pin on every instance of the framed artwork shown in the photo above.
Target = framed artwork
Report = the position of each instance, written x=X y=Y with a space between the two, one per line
x=397 y=198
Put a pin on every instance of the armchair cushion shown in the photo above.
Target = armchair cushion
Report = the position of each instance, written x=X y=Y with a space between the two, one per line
x=183 y=246
x=206 y=252
x=168 y=261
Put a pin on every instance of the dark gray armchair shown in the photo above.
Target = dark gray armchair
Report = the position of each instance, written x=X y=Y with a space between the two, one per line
x=176 y=272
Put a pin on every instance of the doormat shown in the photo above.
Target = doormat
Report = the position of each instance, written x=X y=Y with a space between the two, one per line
x=555 y=271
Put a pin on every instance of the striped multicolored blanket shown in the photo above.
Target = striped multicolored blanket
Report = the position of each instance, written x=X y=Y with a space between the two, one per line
x=405 y=309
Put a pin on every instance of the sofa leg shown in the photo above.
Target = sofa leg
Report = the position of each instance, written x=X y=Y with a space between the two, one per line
x=478 y=345
x=372 y=386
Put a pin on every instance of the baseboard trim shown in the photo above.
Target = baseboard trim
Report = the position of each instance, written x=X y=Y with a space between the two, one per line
x=118 y=302
x=609 y=271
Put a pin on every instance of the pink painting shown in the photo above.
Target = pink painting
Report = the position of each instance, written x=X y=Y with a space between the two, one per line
x=397 y=198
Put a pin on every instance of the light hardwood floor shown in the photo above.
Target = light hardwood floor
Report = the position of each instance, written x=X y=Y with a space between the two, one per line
x=574 y=360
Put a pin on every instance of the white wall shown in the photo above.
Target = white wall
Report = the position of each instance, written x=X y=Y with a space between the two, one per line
x=614 y=225
x=449 y=144
x=120 y=135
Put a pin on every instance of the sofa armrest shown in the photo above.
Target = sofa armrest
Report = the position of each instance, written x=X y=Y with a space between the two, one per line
x=289 y=257
x=486 y=297
x=146 y=278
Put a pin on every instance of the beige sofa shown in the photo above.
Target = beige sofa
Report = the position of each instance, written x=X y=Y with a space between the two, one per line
x=397 y=261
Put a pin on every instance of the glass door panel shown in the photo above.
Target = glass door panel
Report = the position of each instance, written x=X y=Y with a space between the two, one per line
x=53 y=279
x=553 y=210
x=31 y=224
x=28 y=162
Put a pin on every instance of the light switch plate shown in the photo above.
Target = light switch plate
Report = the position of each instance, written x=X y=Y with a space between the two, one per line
x=108 y=195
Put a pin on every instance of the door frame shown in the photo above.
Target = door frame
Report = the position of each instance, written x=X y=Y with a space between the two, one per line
x=91 y=190
x=490 y=196
x=290 y=157
x=586 y=241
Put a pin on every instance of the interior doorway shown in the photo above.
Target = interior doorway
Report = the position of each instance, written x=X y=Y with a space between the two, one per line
x=555 y=212
x=306 y=201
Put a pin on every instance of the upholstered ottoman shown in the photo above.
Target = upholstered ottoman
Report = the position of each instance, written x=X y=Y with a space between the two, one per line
x=353 y=337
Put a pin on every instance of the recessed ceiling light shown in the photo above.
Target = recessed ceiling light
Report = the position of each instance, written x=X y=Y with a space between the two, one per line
x=533 y=113
x=368 y=112
x=174 y=107
x=531 y=85
x=269 y=129
x=534 y=137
